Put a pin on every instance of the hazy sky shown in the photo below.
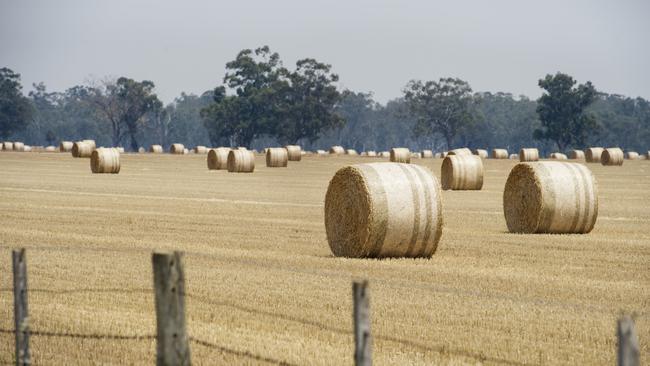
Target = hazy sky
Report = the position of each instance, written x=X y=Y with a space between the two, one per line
x=374 y=46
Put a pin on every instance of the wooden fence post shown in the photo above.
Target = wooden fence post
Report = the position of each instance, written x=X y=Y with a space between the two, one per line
x=21 y=317
x=171 y=336
x=361 y=315
x=628 y=342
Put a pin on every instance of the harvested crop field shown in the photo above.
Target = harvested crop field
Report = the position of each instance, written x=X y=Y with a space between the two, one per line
x=264 y=288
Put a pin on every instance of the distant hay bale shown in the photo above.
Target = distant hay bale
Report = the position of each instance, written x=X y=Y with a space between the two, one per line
x=528 y=154
x=277 y=157
x=8 y=146
x=576 y=155
x=385 y=154
x=321 y=152
x=177 y=149
x=593 y=154
x=444 y=154
x=241 y=161
x=294 y=152
x=482 y=153
x=186 y=151
x=351 y=152
x=461 y=151
x=513 y=156
x=400 y=155
x=462 y=172
x=92 y=144
x=65 y=146
x=630 y=155
x=415 y=155
x=27 y=148
x=53 y=149
x=612 y=156
x=426 y=154
x=550 y=197
x=558 y=156
x=156 y=149
x=381 y=210
x=242 y=148
x=372 y=154
x=363 y=153
x=437 y=155
x=499 y=154
x=120 y=150
x=218 y=158
x=81 y=149
x=20 y=147
x=337 y=150
x=141 y=150
x=200 y=150
x=105 y=160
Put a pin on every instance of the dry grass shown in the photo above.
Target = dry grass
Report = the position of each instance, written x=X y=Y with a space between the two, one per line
x=264 y=281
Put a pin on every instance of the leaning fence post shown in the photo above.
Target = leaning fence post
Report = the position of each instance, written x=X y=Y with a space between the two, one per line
x=361 y=315
x=171 y=336
x=21 y=317
x=628 y=342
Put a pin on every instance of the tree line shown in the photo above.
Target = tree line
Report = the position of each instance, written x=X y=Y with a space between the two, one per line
x=260 y=103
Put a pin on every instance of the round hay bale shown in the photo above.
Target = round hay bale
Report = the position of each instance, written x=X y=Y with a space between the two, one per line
x=363 y=153
x=80 y=149
x=120 y=150
x=156 y=149
x=8 y=146
x=593 y=154
x=242 y=148
x=461 y=151
x=612 y=156
x=513 y=157
x=647 y=155
x=415 y=155
x=105 y=160
x=53 y=149
x=65 y=146
x=200 y=150
x=19 y=146
x=218 y=158
x=630 y=155
x=294 y=152
x=141 y=150
x=351 y=152
x=277 y=157
x=400 y=155
x=383 y=210
x=462 y=172
x=550 y=197
x=385 y=154
x=337 y=150
x=321 y=152
x=92 y=144
x=444 y=154
x=482 y=153
x=558 y=156
x=499 y=154
x=576 y=155
x=372 y=154
x=437 y=155
x=529 y=154
x=27 y=148
x=177 y=149
x=426 y=154
x=241 y=161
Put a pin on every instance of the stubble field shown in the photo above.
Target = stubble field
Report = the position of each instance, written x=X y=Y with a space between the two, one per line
x=263 y=286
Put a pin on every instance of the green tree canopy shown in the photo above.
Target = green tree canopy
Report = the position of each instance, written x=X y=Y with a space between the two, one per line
x=15 y=109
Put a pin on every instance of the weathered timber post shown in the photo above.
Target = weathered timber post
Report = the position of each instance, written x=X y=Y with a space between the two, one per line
x=21 y=315
x=361 y=315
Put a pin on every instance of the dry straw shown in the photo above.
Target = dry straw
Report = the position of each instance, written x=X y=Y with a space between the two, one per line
x=8 y=146
x=576 y=155
x=92 y=143
x=630 y=155
x=550 y=197
x=499 y=154
x=529 y=154
x=185 y=151
x=337 y=150
x=65 y=146
x=513 y=157
x=53 y=149
x=200 y=149
x=383 y=210
x=218 y=158
x=80 y=149
x=593 y=154
x=177 y=149
x=483 y=154
x=276 y=157
x=426 y=154
x=558 y=156
x=19 y=146
x=156 y=149
x=461 y=151
x=241 y=161
x=612 y=156
x=105 y=160
x=400 y=155
x=371 y=154
x=27 y=148
x=321 y=152
x=462 y=172
x=351 y=152
x=444 y=154
x=294 y=152
x=385 y=154
x=120 y=150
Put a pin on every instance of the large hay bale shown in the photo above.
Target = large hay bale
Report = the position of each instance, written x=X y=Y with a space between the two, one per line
x=499 y=154
x=612 y=156
x=156 y=149
x=482 y=153
x=630 y=155
x=426 y=154
x=576 y=155
x=400 y=155
x=593 y=154
x=177 y=149
x=558 y=156
x=218 y=158
x=294 y=152
x=460 y=151
x=81 y=149
x=383 y=210
x=200 y=149
x=65 y=146
x=462 y=172
x=8 y=146
x=105 y=160
x=337 y=150
x=371 y=154
x=19 y=146
x=277 y=157
x=550 y=197
x=529 y=154
x=186 y=151
x=351 y=152
x=92 y=143
x=241 y=161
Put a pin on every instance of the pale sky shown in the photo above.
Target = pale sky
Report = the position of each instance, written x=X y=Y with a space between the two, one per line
x=375 y=46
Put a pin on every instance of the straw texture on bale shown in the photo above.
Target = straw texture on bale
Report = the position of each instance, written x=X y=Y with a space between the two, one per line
x=351 y=152
x=576 y=155
x=65 y=146
x=53 y=149
x=630 y=155
x=372 y=154
x=8 y=146
x=156 y=149
x=105 y=160
x=177 y=149
x=383 y=210
x=594 y=154
x=19 y=146
x=550 y=197
x=612 y=156
x=462 y=172
x=426 y=154
x=461 y=151
x=337 y=150
x=218 y=158
x=529 y=154
x=241 y=161
x=92 y=144
x=400 y=155
x=558 y=156
x=294 y=152
x=499 y=154
x=483 y=154
x=277 y=157
x=200 y=150
x=81 y=149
